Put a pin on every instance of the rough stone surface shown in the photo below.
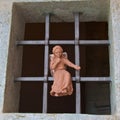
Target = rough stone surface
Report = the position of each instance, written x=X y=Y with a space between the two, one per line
x=115 y=54
x=7 y=40
x=5 y=21
x=54 y=117
x=92 y=10
x=14 y=64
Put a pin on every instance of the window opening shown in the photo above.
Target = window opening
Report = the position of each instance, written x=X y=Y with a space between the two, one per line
x=80 y=81
x=30 y=99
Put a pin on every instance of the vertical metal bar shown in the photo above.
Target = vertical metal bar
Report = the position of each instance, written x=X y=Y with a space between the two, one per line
x=77 y=61
x=78 y=98
x=76 y=26
x=45 y=85
x=77 y=53
x=47 y=25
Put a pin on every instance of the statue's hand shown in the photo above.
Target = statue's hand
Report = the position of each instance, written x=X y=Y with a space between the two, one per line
x=77 y=67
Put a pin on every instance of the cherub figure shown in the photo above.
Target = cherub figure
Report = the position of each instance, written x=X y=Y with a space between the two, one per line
x=62 y=84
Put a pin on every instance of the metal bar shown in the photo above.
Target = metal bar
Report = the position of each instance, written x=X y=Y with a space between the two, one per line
x=46 y=61
x=68 y=42
x=20 y=79
x=71 y=42
x=30 y=42
x=45 y=85
x=45 y=89
x=78 y=98
x=77 y=53
x=95 y=79
x=76 y=26
x=47 y=25
x=82 y=79
x=77 y=61
x=94 y=42
x=42 y=42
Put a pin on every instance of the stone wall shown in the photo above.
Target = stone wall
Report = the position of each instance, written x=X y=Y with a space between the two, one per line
x=10 y=54
x=115 y=54
x=14 y=64
x=5 y=27
x=55 y=117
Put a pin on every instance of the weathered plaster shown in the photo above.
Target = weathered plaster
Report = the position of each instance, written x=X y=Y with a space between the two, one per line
x=12 y=90
x=91 y=10
x=115 y=9
x=54 y=117
x=114 y=33
x=114 y=36
x=5 y=22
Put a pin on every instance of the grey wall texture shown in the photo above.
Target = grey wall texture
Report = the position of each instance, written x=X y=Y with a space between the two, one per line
x=13 y=16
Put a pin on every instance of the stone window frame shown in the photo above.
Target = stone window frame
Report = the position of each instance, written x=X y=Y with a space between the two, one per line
x=76 y=43
x=15 y=47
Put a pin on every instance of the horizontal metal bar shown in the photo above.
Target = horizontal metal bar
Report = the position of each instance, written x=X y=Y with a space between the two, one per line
x=94 y=42
x=42 y=42
x=29 y=79
x=30 y=42
x=71 y=42
x=98 y=79
x=82 y=79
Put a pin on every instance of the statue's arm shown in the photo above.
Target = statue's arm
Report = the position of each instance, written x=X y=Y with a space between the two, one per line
x=70 y=64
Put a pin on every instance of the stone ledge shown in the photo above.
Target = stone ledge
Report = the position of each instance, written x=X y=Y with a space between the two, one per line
x=36 y=116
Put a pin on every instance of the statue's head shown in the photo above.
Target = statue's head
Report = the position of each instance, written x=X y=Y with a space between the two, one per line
x=57 y=47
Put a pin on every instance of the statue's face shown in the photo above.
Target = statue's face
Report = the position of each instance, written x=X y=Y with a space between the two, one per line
x=58 y=53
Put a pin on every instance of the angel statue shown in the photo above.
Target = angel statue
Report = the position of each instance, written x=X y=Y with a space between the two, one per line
x=62 y=84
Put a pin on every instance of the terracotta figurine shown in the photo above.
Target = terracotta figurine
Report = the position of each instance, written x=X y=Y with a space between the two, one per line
x=62 y=84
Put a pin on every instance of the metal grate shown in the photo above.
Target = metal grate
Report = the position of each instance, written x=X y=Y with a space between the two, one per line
x=76 y=42
x=45 y=85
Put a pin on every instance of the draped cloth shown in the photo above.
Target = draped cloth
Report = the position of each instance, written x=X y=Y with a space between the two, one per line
x=62 y=84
